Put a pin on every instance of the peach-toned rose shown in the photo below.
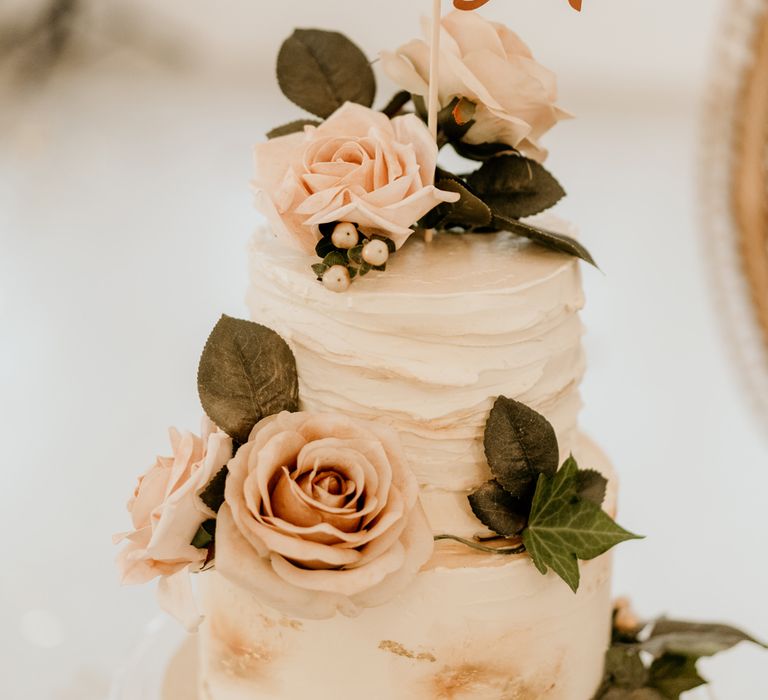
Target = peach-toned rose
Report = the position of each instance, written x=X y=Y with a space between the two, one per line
x=490 y=65
x=358 y=166
x=166 y=509
x=321 y=515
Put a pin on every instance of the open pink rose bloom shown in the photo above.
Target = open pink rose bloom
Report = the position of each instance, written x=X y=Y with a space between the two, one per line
x=321 y=515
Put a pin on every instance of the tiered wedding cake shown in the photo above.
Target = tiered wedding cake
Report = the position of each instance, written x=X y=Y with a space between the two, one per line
x=423 y=348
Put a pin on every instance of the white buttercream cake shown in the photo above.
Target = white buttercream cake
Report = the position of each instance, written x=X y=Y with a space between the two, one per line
x=424 y=348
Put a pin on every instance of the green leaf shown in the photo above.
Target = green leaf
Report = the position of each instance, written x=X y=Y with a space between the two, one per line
x=695 y=639
x=356 y=254
x=246 y=372
x=549 y=239
x=626 y=694
x=335 y=257
x=562 y=528
x=591 y=486
x=624 y=668
x=520 y=444
x=291 y=128
x=204 y=535
x=515 y=186
x=213 y=494
x=482 y=151
x=497 y=510
x=672 y=675
x=319 y=71
x=469 y=212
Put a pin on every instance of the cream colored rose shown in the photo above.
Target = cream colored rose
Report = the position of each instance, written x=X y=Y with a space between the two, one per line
x=166 y=509
x=321 y=515
x=489 y=65
x=358 y=166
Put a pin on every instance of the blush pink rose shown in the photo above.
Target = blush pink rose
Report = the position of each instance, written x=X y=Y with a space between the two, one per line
x=358 y=166
x=321 y=515
x=488 y=64
x=166 y=509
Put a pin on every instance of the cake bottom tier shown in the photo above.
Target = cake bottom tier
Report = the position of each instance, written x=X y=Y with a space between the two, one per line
x=471 y=627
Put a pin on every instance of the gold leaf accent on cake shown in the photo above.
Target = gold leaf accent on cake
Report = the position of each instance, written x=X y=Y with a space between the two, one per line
x=489 y=680
x=239 y=656
x=398 y=649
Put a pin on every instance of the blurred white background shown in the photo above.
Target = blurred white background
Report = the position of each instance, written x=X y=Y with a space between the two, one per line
x=124 y=216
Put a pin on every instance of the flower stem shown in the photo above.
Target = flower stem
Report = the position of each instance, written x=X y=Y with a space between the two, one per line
x=517 y=549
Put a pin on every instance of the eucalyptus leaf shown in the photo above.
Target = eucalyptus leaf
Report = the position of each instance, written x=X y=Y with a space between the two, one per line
x=562 y=528
x=694 y=639
x=592 y=486
x=520 y=444
x=673 y=675
x=497 y=510
x=320 y=70
x=291 y=128
x=246 y=372
x=515 y=186
x=549 y=239
x=213 y=494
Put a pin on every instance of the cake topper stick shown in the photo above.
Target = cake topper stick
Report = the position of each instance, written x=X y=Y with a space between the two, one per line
x=434 y=69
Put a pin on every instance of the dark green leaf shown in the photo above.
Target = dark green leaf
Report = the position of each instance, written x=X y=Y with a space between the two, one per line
x=324 y=246
x=695 y=639
x=291 y=128
x=364 y=269
x=515 y=186
x=497 y=510
x=562 y=528
x=624 y=668
x=246 y=372
x=320 y=71
x=549 y=239
x=469 y=212
x=391 y=247
x=519 y=445
x=319 y=269
x=213 y=494
x=591 y=486
x=482 y=151
x=672 y=675
x=205 y=534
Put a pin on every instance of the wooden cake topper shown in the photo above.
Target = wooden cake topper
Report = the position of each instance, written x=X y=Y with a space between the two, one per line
x=475 y=4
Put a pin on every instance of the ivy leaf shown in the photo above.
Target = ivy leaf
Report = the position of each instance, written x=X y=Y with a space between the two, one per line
x=520 y=444
x=592 y=486
x=204 y=535
x=246 y=372
x=695 y=639
x=562 y=528
x=482 y=151
x=549 y=239
x=291 y=128
x=672 y=675
x=319 y=71
x=515 y=186
x=497 y=510
x=213 y=494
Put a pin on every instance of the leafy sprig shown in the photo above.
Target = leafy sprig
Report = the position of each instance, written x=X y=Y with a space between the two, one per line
x=555 y=513
x=658 y=660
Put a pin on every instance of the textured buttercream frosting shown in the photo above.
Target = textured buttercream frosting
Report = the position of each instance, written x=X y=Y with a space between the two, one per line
x=429 y=344
x=426 y=347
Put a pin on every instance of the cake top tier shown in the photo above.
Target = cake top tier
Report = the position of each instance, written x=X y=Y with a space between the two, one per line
x=350 y=188
x=449 y=265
